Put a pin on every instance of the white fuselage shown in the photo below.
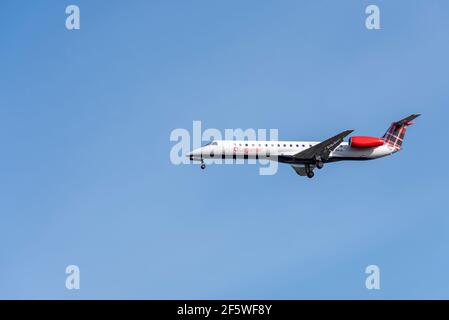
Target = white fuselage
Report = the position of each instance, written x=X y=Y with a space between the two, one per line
x=274 y=150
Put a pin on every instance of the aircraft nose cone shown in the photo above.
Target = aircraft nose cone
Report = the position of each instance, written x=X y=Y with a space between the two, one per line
x=189 y=155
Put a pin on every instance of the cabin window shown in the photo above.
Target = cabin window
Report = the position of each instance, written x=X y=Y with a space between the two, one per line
x=246 y=144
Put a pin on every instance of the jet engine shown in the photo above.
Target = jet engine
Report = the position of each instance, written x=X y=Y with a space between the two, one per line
x=365 y=142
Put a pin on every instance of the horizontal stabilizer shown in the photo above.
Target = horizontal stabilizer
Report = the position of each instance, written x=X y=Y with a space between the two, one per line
x=405 y=121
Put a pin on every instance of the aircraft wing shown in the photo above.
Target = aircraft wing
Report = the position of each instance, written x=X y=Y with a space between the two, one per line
x=301 y=170
x=322 y=149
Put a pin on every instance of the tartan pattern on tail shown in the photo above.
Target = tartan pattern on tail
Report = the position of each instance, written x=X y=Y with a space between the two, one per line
x=395 y=136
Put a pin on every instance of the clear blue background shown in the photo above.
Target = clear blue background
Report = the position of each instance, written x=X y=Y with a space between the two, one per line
x=86 y=178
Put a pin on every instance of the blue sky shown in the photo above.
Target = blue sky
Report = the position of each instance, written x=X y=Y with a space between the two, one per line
x=86 y=178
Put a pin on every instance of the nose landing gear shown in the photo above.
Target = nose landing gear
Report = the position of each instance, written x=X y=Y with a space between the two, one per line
x=203 y=166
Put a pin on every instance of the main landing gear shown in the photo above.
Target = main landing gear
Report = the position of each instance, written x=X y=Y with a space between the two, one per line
x=319 y=162
x=309 y=167
x=309 y=171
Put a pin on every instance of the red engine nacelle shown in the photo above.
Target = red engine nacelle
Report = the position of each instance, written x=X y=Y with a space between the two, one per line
x=365 y=142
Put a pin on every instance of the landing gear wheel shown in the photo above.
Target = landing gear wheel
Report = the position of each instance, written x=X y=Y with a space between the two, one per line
x=310 y=174
x=203 y=166
x=320 y=164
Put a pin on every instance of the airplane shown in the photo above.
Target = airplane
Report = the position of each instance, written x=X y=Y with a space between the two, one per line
x=305 y=156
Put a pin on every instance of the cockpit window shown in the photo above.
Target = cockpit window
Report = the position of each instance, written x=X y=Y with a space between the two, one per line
x=212 y=143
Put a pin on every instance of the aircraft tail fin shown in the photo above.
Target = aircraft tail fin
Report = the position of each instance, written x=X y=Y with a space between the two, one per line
x=395 y=134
